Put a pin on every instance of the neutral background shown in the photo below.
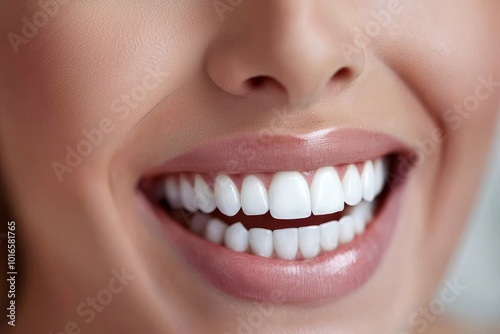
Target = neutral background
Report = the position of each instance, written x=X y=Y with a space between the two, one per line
x=477 y=263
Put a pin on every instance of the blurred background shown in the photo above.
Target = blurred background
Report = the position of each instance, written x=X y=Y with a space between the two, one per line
x=477 y=262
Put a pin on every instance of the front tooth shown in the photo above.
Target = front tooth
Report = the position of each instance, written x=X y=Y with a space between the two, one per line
x=187 y=195
x=203 y=194
x=309 y=241
x=327 y=195
x=380 y=167
x=261 y=241
x=329 y=238
x=236 y=237
x=368 y=181
x=346 y=229
x=215 y=230
x=351 y=183
x=254 y=196
x=286 y=243
x=172 y=192
x=227 y=196
x=289 y=196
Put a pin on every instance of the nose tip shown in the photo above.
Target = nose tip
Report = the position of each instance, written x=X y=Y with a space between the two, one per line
x=285 y=57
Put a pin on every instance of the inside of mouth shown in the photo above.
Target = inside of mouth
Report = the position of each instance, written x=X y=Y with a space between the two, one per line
x=310 y=234
x=266 y=221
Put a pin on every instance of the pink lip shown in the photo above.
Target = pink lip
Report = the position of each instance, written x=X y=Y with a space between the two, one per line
x=329 y=276
x=265 y=153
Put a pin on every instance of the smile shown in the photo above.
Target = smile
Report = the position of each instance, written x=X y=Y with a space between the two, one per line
x=263 y=229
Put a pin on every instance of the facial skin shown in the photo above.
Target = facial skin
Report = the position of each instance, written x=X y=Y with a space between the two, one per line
x=194 y=60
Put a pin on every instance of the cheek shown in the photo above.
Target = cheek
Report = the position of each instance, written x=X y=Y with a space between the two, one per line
x=449 y=57
x=445 y=51
x=88 y=66
x=75 y=67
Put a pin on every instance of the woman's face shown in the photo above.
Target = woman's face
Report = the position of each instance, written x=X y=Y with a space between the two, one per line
x=102 y=101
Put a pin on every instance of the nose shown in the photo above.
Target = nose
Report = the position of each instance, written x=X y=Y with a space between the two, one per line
x=286 y=51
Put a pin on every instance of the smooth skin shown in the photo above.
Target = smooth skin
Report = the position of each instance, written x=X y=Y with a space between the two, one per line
x=198 y=62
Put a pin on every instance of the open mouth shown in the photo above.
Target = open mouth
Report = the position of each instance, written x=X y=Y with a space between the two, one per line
x=265 y=233
x=289 y=215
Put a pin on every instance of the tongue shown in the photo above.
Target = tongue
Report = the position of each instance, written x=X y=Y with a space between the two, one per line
x=270 y=223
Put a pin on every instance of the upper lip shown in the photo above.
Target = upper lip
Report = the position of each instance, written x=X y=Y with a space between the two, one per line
x=265 y=152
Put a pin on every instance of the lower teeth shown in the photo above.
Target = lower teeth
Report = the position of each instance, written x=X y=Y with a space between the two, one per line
x=287 y=243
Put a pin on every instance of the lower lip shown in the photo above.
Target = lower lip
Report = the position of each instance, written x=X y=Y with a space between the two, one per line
x=329 y=276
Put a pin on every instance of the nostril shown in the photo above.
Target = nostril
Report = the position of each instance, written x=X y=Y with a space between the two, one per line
x=262 y=82
x=257 y=82
x=343 y=74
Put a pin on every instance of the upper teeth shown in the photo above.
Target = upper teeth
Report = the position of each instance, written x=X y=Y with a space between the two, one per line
x=289 y=195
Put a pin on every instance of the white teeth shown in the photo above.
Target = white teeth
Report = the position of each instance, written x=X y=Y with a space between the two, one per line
x=363 y=211
x=261 y=241
x=327 y=195
x=368 y=181
x=203 y=194
x=286 y=243
x=346 y=229
x=214 y=231
x=172 y=192
x=289 y=196
x=362 y=215
x=309 y=241
x=236 y=237
x=351 y=183
x=227 y=196
x=254 y=196
x=187 y=195
x=329 y=238
x=380 y=167
x=358 y=224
